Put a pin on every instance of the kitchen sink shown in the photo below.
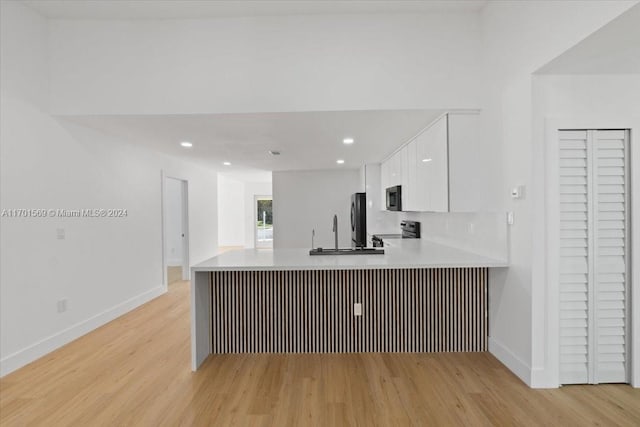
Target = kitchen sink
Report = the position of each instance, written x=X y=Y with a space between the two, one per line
x=347 y=251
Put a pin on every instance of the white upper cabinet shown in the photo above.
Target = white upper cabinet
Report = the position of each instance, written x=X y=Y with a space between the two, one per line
x=422 y=200
x=439 y=169
x=391 y=175
x=409 y=177
x=468 y=163
x=384 y=183
x=432 y=164
x=395 y=169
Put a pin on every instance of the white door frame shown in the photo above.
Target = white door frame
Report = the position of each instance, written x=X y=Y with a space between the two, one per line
x=185 y=225
x=255 y=221
x=550 y=375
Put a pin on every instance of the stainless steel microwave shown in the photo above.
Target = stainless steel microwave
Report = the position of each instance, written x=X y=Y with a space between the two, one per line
x=394 y=198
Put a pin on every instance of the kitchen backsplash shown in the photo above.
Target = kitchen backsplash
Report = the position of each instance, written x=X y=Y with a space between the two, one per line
x=483 y=233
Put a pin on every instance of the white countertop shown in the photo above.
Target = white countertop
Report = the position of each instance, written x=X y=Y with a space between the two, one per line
x=414 y=254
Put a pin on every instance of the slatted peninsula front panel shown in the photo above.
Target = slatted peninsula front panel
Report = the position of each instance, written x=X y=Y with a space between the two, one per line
x=403 y=310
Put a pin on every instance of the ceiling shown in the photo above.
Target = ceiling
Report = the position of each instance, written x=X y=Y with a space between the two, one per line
x=306 y=140
x=249 y=176
x=613 y=49
x=190 y=9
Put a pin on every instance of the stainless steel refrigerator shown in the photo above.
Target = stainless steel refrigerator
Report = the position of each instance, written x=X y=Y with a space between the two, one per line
x=359 y=220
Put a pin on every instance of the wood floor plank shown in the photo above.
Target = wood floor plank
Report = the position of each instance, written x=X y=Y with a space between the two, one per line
x=135 y=371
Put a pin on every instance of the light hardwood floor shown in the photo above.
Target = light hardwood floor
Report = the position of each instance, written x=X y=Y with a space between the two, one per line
x=223 y=249
x=136 y=371
x=174 y=274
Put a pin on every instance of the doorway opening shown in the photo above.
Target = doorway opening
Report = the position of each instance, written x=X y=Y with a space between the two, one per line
x=263 y=222
x=175 y=233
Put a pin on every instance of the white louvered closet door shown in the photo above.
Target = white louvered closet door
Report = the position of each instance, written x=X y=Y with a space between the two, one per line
x=593 y=256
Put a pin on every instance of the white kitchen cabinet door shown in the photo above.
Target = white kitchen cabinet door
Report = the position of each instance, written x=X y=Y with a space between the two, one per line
x=384 y=183
x=433 y=168
x=404 y=176
x=422 y=182
x=409 y=177
x=391 y=172
x=470 y=166
x=439 y=167
x=593 y=277
x=395 y=169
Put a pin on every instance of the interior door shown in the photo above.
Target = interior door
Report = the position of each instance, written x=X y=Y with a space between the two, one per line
x=594 y=267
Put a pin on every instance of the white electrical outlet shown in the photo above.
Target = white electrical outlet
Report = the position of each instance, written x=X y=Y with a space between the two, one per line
x=357 y=309
x=63 y=305
x=60 y=233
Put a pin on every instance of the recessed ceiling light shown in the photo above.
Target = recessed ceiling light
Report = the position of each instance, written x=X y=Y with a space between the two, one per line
x=339 y=161
x=426 y=160
x=227 y=163
x=348 y=140
x=186 y=144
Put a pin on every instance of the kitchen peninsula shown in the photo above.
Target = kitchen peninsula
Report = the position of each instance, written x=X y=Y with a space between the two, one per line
x=418 y=297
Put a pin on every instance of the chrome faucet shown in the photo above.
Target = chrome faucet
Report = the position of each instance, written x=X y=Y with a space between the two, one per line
x=335 y=229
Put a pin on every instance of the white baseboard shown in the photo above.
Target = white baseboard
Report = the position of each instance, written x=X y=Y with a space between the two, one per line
x=27 y=355
x=510 y=360
x=542 y=378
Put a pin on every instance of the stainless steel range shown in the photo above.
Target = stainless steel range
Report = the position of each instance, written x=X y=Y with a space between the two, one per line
x=410 y=230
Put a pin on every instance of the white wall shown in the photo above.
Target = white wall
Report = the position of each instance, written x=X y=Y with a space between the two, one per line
x=594 y=101
x=265 y=63
x=236 y=201
x=231 y=217
x=24 y=42
x=103 y=266
x=173 y=221
x=518 y=38
x=307 y=200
